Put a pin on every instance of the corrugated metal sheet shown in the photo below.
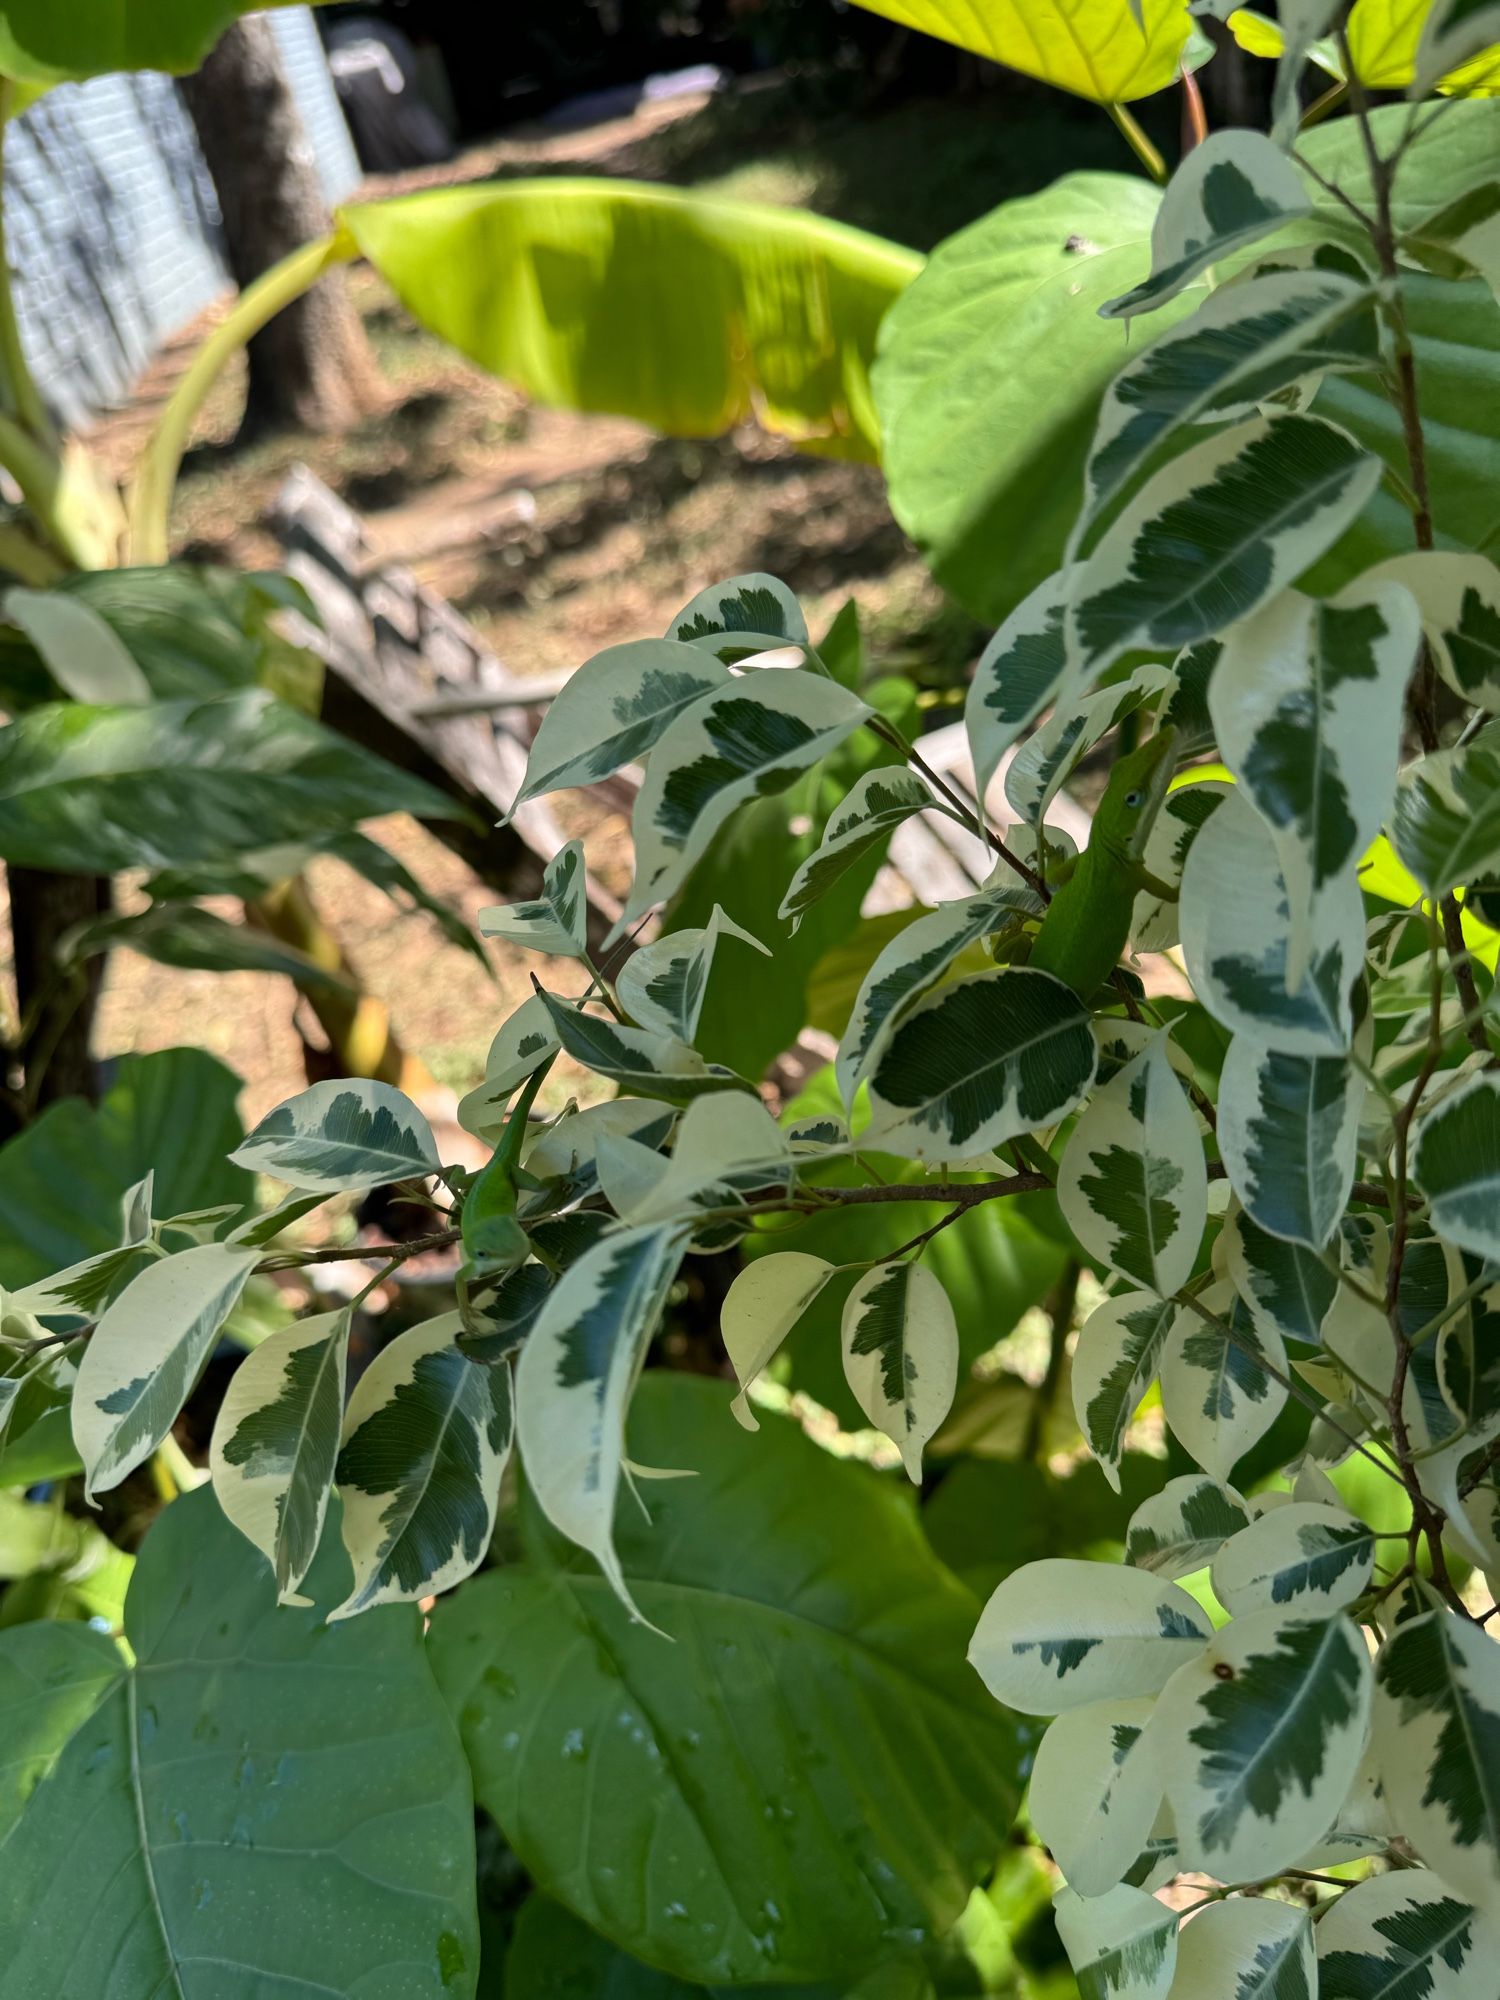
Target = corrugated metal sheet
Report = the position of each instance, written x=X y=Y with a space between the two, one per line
x=112 y=223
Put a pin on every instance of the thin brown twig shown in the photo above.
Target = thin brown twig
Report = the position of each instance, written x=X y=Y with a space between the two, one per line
x=973 y=814
x=1422 y=698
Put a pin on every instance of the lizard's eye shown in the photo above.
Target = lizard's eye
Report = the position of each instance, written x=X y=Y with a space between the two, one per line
x=1135 y=800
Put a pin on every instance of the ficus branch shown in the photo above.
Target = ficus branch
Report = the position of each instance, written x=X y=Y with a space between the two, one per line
x=972 y=816
x=1293 y=1389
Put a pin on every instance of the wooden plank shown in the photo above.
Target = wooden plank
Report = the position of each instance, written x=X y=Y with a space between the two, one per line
x=410 y=678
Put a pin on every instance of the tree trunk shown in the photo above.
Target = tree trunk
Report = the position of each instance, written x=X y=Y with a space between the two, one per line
x=57 y=1013
x=312 y=368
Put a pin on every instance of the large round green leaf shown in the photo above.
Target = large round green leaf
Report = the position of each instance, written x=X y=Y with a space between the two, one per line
x=992 y=364
x=1455 y=328
x=1110 y=50
x=809 y=1776
x=262 y=1804
x=554 y=1957
x=690 y=314
x=44 y=43
x=990 y=372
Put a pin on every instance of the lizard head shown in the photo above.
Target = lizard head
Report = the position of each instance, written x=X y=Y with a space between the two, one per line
x=1137 y=785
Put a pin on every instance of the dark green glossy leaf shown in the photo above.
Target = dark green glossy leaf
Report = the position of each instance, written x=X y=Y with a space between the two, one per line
x=740 y=1803
x=990 y=369
x=260 y=1804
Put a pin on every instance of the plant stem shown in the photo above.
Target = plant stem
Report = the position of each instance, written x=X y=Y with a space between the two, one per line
x=1139 y=144
x=1293 y=1389
x=1194 y=117
x=26 y=559
x=149 y=503
x=1422 y=697
x=972 y=816
x=1320 y=107
x=19 y=393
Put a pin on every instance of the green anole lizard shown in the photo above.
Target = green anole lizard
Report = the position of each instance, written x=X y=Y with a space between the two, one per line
x=1087 y=923
x=494 y=1241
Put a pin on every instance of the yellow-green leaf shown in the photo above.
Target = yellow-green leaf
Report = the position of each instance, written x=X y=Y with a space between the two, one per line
x=1109 y=50
x=690 y=315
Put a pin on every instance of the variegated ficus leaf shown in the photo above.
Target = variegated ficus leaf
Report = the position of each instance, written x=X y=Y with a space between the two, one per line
x=259 y=1230
x=1121 y=1945
x=1233 y=189
x=1184 y=706
x=743 y=742
x=1059 y=1633
x=1259 y=1737
x=1096 y=1791
x=760 y=1309
x=910 y=965
x=276 y=1441
x=662 y=986
x=345 y=1134
x=978 y=1062
x=1182 y=1528
x=1305 y=1559
x=728 y=1147
x=1132 y=1183
x=614 y=709
x=1458 y=598
x=746 y=615
x=145 y=1355
x=1214 y=535
x=1404 y=1933
x=564 y=1155
x=1289 y=1134
x=900 y=1344
x=882 y=800
x=1222 y=1381
x=1236 y=938
x=84 y=1287
x=1307 y=704
x=1116 y=1361
x=555 y=922
x=525 y=1041
x=575 y=1375
x=1045 y=761
x=638 y=1060
x=425 y=1440
x=1243 y=345
x=1437 y=1745
x=1247 y=1949
x=1288 y=1287
x=1155 y=922
x=1456 y=1164
x=1446 y=826
x=1019 y=673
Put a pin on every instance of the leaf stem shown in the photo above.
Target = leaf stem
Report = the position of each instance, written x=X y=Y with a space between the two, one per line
x=1139 y=144
x=149 y=505
x=972 y=816
x=1293 y=1389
